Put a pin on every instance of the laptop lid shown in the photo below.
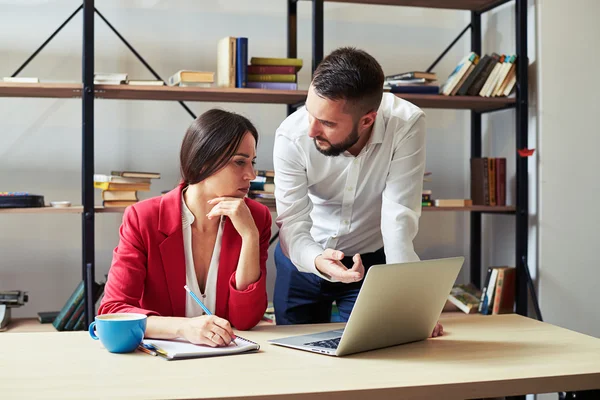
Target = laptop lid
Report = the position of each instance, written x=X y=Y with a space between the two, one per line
x=399 y=303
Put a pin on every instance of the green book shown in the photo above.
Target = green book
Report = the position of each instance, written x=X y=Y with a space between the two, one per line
x=69 y=308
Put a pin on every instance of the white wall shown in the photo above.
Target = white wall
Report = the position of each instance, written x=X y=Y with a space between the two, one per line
x=40 y=138
x=569 y=142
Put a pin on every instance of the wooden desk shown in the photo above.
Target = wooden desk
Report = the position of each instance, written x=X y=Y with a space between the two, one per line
x=21 y=325
x=480 y=356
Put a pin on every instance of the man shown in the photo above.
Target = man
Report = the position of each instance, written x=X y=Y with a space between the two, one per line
x=348 y=182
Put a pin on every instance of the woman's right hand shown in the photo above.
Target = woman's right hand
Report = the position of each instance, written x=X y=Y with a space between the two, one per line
x=208 y=330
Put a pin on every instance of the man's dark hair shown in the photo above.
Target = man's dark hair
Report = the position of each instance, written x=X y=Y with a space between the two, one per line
x=210 y=142
x=352 y=75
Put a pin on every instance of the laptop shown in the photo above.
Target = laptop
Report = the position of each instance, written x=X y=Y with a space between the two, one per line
x=397 y=304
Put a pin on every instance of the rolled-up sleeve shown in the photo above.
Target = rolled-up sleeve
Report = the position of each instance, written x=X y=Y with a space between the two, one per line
x=294 y=206
x=401 y=202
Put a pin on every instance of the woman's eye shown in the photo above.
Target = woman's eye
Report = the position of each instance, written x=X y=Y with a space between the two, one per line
x=240 y=162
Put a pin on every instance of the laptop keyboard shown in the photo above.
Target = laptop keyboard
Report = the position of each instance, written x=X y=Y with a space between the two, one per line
x=328 y=344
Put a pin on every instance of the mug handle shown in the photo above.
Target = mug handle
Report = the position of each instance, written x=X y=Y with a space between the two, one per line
x=91 y=330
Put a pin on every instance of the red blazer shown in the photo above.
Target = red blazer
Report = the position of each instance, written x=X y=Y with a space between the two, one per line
x=147 y=274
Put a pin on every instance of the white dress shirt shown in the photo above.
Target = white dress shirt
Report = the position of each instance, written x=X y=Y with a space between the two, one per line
x=192 y=309
x=353 y=204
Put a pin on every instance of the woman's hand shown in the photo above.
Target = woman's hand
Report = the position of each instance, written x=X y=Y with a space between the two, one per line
x=209 y=330
x=237 y=210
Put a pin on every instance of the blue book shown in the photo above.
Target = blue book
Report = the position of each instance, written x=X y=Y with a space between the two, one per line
x=273 y=85
x=424 y=89
x=241 y=62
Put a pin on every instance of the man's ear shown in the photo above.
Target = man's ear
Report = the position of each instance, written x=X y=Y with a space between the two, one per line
x=368 y=120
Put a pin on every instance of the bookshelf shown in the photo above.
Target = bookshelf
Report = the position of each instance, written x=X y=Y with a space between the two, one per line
x=471 y=5
x=290 y=97
x=87 y=92
x=105 y=210
x=476 y=105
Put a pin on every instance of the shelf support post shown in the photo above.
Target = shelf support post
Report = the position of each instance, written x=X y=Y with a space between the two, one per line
x=87 y=178
x=475 y=225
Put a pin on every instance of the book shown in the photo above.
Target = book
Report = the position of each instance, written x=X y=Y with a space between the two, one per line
x=180 y=349
x=136 y=174
x=466 y=298
x=272 y=85
x=191 y=76
x=226 y=61
x=413 y=75
x=241 y=49
x=20 y=79
x=272 y=78
x=69 y=308
x=145 y=82
x=289 y=62
x=270 y=69
x=46 y=317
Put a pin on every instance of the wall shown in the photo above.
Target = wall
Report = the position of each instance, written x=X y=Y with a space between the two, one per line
x=569 y=220
x=41 y=138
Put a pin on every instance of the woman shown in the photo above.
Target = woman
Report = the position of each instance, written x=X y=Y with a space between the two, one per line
x=205 y=233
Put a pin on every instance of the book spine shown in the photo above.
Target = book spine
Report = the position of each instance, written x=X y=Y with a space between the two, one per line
x=69 y=308
x=271 y=69
x=70 y=325
x=241 y=62
x=501 y=181
x=291 y=78
x=272 y=85
x=424 y=89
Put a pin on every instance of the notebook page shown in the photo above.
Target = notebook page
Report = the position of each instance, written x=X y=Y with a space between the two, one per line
x=180 y=348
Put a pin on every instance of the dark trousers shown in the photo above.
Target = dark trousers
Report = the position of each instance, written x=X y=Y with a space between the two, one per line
x=305 y=298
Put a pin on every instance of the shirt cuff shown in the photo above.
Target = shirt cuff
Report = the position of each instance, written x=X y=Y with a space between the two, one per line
x=308 y=261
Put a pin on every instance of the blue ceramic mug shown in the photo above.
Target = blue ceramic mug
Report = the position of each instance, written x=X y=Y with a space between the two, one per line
x=119 y=333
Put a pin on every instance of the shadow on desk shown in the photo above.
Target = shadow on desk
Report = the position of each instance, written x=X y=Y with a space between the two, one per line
x=444 y=349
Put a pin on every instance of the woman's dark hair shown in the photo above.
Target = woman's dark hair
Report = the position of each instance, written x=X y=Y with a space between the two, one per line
x=352 y=75
x=210 y=142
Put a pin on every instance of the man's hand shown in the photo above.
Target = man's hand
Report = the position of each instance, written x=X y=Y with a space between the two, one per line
x=438 y=330
x=329 y=264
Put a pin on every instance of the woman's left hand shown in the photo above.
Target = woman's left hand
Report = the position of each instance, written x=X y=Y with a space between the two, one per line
x=237 y=210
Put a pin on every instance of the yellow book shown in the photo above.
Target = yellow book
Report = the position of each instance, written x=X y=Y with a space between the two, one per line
x=122 y=186
x=271 y=77
x=294 y=62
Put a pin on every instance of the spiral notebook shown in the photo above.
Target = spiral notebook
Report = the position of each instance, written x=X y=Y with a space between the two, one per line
x=181 y=349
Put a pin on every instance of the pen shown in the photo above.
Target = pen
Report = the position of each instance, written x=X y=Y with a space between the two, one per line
x=145 y=350
x=197 y=300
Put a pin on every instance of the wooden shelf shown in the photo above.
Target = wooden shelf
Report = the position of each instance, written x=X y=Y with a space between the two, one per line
x=472 y=5
x=100 y=209
x=43 y=210
x=230 y=95
x=475 y=103
x=52 y=90
x=485 y=209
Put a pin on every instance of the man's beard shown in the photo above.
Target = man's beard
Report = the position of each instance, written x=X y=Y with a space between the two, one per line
x=335 y=150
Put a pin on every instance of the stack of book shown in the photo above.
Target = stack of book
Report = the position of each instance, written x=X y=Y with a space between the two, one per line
x=119 y=189
x=273 y=73
x=498 y=293
x=192 y=78
x=262 y=188
x=72 y=317
x=412 y=82
x=488 y=181
x=491 y=76
x=426 y=200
